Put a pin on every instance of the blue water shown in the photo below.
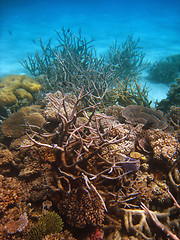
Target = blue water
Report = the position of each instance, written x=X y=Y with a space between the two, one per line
x=157 y=23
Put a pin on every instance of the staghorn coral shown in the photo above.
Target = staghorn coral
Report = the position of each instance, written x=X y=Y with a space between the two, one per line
x=47 y=224
x=74 y=64
x=128 y=91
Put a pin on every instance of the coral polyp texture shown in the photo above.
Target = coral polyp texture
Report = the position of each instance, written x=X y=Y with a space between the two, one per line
x=17 y=90
x=106 y=179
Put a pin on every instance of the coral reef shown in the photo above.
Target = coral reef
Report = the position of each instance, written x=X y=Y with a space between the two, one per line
x=103 y=177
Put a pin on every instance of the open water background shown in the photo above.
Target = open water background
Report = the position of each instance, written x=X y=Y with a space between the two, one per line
x=156 y=23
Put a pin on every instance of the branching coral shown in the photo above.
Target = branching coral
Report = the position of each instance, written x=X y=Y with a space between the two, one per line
x=84 y=144
x=73 y=64
x=89 y=166
x=128 y=91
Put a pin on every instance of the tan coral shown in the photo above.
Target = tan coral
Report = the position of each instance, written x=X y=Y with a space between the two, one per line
x=10 y=192
x=164 y=145
x=14 y=126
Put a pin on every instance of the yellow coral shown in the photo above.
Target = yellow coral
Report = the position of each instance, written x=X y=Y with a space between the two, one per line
x=17 y=87
x=23 y=94
x=31 y=85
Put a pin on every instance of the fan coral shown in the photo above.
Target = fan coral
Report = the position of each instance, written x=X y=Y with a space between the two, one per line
x=47 y=224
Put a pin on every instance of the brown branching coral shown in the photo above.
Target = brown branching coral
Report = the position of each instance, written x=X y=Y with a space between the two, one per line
x=83 y=164
x=90 y=167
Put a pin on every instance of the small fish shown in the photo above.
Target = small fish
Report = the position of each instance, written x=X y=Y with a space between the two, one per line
x=10 y=33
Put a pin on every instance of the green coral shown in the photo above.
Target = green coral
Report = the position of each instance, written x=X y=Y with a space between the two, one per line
x=47 y=224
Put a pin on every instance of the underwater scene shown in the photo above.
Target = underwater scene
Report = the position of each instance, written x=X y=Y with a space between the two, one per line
x=89 y=120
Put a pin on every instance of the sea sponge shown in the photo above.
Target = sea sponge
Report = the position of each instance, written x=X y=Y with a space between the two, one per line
x=47 y=224
x=15 y=87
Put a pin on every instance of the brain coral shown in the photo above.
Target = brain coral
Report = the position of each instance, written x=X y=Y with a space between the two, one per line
x=14 y=88
x=14 y=126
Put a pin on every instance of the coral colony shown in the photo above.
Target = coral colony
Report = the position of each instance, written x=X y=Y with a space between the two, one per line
x=88 y=161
